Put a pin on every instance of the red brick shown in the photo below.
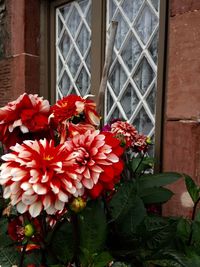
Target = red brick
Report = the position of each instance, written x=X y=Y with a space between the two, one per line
x=17 y=26
x=183 y=6
x=32 y=27
x=183 y=93
x=181 y=153
x=32 y=74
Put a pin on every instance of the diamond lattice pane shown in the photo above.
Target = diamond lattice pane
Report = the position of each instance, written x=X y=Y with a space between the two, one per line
x=122 y=30
x=73 y=46
x=73 y=21
x=117 y=78
x=143 y=76
x=131 y=8
x=146 y=23
x=153 y=48
x=155 y=3
x=129 y=101
x=64 y=44
x=82 y=82
x=151 y=99
x=131 y=52
x=142 y=122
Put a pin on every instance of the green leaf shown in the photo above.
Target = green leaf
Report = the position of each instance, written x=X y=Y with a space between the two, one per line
x=102 y=259
x=62 y=244
x=155 y=195
x=92 y=228
x=157 y=180
x=192 y=188
x=123 y=200
x=128 y=223
x=183 y=229
x=140 y=165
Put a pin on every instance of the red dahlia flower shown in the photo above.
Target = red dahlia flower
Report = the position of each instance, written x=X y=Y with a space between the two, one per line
x=27 y=114
x=97 y=156
x=37 y=175
x=73 y=105
x=125 y=129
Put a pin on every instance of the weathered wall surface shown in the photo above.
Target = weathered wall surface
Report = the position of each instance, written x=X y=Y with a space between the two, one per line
x=19 y=48
x=181 y=151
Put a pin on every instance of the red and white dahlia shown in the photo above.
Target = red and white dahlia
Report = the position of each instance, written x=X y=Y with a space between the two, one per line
x=37 y=175
x=28 y=113
x=97 y=156
x=125 y=129
x=73 y=105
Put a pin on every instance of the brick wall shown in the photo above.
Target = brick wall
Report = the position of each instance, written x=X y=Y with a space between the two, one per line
x=181 y=150
x=19 y=60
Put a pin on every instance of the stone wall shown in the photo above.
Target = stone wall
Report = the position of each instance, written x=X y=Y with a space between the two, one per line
x=19 y=48
x=181 y=147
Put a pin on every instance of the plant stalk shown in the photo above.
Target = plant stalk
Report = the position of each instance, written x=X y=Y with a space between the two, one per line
x=193 y=217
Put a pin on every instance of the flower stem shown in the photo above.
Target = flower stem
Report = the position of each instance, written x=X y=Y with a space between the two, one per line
x=23 y=255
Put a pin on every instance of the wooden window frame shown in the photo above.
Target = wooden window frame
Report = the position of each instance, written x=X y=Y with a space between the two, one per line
x=98 y=29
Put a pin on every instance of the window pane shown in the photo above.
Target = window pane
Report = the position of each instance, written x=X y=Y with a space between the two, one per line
x=131 y=89
x=73 y=46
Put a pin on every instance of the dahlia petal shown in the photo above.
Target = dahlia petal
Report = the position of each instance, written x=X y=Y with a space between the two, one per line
x=33 y=180
x=72 y=190
x=25 y=154
x=93 y=151
x=96 y=168
x=17 y=123
x=21 y=207
x=45 y=178
x=95 y=176
x=51 y=210
x=47 y=202
x=87 y=174
x=10 y=128
x=15 y=198
x=29 y=192
x=59 y=205
x=101 y=156
x=7 y=192
x=25 y=186
x=39 y=189
x=54 y=188
x=88 y=183
x=24 y=129
x=15 y=187
x=5 y=172
x=9 y=157
x=29 y=200
x=112 y=157
x=35 y=209
x=93 y=118
x=62 y=196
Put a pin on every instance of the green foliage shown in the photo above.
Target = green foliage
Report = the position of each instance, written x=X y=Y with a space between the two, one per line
x=92 y=232
x=155 y=195
x=62 y=242
x=157 y=180
x=192 y=188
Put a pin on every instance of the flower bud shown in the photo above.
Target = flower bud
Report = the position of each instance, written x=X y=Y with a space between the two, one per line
x=29 y=230
x=148 y=140
x=78 y=204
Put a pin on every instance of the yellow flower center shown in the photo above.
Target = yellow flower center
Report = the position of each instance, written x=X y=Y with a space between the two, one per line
x=48 y=157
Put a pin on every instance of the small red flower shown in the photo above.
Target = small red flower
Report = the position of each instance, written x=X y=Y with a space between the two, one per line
x=125 y=129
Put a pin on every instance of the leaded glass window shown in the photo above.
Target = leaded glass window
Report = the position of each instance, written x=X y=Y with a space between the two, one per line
x=73 y=46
